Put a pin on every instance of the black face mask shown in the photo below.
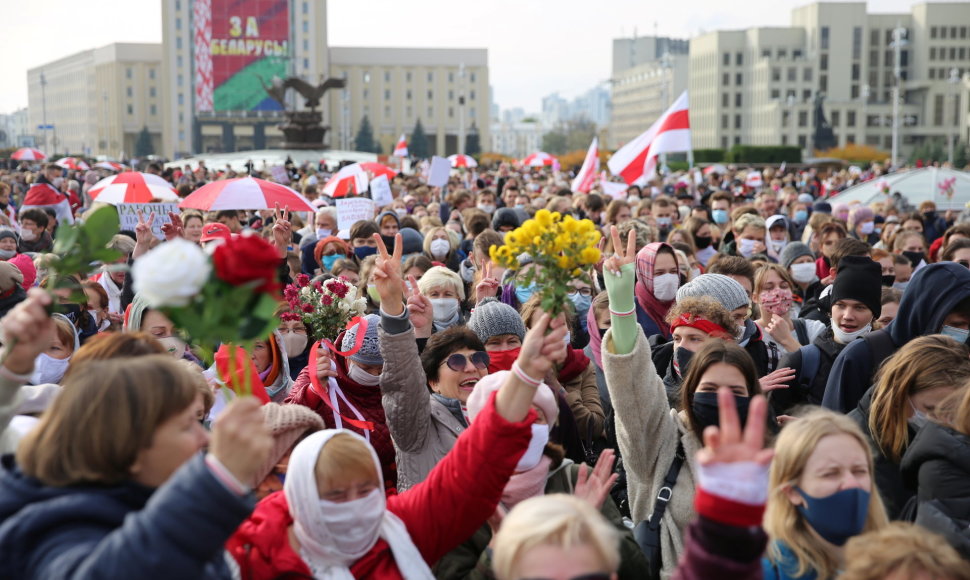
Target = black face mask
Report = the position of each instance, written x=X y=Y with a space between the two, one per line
x=602 y=331
x=682 y=357
x=705 y=410
x=702 y=241
x=929 y=215
x=914 y=257
x=888 y=280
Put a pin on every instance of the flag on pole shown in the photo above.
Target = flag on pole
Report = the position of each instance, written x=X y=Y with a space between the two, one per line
x=401 y=149
x=669 y=134
x=586 y=178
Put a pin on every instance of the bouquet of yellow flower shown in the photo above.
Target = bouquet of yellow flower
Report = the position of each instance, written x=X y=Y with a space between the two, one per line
x=561 y=247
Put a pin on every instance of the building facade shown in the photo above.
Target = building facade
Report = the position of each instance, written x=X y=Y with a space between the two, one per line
x=516 y=138
x=16 y=131
x=98 y=101
x=642 y=93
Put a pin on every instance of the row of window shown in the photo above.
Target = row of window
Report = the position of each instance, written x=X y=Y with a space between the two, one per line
x=152 y=110
x=955 y=53
x=943 y=73
x=409 y=95
x=782 y=53
x=792 y=74
x=152 y=93
x=129 y=73
x=942 y=32
x=408 y=76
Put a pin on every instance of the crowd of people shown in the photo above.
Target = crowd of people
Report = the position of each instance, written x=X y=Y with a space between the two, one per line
x=751 y=383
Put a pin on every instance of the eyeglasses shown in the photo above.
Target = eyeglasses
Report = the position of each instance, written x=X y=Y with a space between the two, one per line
x=457 y=362
x=572 y=291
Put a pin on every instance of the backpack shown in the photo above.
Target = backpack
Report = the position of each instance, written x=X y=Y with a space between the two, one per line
x=811 y=361
x=801 y=331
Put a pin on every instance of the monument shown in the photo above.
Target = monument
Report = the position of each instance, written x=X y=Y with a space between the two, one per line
x=302 y=129
x=824 y=137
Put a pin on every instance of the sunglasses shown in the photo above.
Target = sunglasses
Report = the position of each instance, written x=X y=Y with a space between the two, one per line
x=457 y=362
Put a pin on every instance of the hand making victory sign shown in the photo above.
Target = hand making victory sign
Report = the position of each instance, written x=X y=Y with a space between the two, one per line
x=387 y=276
x=282 y=230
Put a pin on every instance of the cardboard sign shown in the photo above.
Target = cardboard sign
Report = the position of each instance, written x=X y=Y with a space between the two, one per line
x=279 y=174
x=353 y=210
x=380 y=191
x=128 y=215
x=440 y=170
x=614 y=190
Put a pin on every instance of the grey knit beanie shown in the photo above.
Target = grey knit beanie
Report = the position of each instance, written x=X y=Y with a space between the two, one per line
x=724 y=289
x=370 y=352
x=792 y=252
x=493 y=318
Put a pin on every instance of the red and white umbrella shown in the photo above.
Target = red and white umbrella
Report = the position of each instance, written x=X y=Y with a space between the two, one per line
x=716 y=168
x=111 y=166
x=459 y=160
x=539 y=159
x=72 y=163
x=351 y=179
x=28 y=154
x=245 y=193
x=378 y=169
x=132 y=187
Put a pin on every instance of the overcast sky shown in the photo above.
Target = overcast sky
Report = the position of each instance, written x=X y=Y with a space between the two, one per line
x=535 y=47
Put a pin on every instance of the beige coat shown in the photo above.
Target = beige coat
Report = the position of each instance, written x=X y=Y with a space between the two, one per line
x=583 y=397
x=423 y=429
x=647 y=430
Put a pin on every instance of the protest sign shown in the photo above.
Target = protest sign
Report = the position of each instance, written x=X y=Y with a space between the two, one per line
x=380 y=191
x=353 y=210
x=128 y=215
x=440 y=170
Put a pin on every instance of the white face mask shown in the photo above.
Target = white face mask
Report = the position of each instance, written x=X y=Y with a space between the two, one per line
x=48 y=369
x=843 y=337
x=803 y=273
x=867 y=228
x=445 y=309
x=294 y=343
x=355 y=525
x=665 y=287
x=174 y=345
x=362 y=377
x=27 y=235
x=778 y=245
x=439 y=248
x=694 y=272
x=746 y=247
x=540 y=436
x=487 y=208
x=323 y=233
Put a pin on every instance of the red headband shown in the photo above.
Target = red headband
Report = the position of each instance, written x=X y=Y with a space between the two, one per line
x=702 y=324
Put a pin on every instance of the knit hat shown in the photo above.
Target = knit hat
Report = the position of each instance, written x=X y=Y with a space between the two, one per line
x=288 y=423
x=859 y=278
x=412 y=241
x=493 y=318
x=370 y=352
x=805 y=198
x=792 y=252
x=11 y=276
x=544 y=397
x=822 y=207
x=505 y=217
x=343 y=247
x=9 y=233
x=721 y=288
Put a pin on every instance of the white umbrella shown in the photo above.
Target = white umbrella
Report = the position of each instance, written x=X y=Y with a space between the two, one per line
x=948 y=188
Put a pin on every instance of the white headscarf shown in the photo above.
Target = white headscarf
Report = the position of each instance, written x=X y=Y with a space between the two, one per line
x=320 y=526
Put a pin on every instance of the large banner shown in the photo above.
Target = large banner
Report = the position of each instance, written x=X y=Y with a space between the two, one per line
x=240 y=46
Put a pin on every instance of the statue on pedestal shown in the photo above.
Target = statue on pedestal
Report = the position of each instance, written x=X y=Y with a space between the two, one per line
x=303 y=129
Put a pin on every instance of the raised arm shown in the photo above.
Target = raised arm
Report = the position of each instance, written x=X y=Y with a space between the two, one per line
x=27 y=331
x=618 y=273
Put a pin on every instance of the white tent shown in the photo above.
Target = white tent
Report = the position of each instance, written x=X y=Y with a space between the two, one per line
x=916 y=185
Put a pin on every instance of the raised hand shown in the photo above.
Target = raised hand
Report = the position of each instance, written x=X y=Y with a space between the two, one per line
x=175 y=229
x=777 y=379
x=27 y=331
x=620 y=256
x=488 y=286
x=143 y=234
x=540 y=349
x=780 y=330
x=324 y=370
x=726 y=443
x=593 y=487
x=420 y=310
x=282 y=230
x=241 y=440
x=387 y=276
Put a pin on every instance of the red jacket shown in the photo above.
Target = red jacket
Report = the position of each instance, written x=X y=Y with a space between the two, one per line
x=440 y=512
x=366 y=399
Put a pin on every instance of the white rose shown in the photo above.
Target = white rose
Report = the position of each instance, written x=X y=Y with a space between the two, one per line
x=171 y=274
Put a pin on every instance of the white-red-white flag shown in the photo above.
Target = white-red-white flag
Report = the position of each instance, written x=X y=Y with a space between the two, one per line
x=586 y=178
x=669 y=134
x=401 y=149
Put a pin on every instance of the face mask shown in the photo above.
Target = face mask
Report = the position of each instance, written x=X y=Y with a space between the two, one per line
x=803 y=273
x=354 y=525
x=777 y=301
x=958 y=334
x=888 y=280
x=540 y=436
x=682 y=358
x=581 y=303
x=487 y=208
x=602 y=331
x=703 y=242
x=523 y=293
x=323 y=233
x=837 y=517
x=27 y=235
x=720 y=216
x=329 y=261
x=174 y=345
x=665 y=287
x=929 y=215
x=401 y=212
x=801 y=216
x=901 y=286
x=501 y=360
x=867 y=228
x=746 y=247
x=842 y=216
x=664 y=223
x=445 y=309
x=7 y=254
x=919 y=418
x=914 y=258
x=372 y=292
x=362 y=377
x=844 y=337
x=694 y=272
x=778 y=245
x=294 y=343
x=705 y=409
x=520 y=206
x=364 y=251
x=440 y=248
x=48 y=369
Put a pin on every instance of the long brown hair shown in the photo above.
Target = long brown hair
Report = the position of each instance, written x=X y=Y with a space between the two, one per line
x=713 y=352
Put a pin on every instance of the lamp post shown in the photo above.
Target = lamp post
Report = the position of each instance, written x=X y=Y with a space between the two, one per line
x=665 y=67
x=899 y=41
x=954 y=80
x=461 y=109
x=864 y=122
x=43 y=98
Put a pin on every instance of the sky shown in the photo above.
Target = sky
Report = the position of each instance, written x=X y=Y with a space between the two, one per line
x=535 y=47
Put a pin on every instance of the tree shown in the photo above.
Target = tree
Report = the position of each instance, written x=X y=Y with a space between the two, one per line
x=472 y=144
x=571 y=135
x=364 y=141
x=144 y=146
x=418 y=147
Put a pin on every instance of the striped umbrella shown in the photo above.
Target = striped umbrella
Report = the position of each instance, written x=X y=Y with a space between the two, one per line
x=132 y=187
x=351 y=179
x=539 y=159
x=245 y=193
x=28 y=154
x=72 y=163
x=111 y=166
x=459 y=160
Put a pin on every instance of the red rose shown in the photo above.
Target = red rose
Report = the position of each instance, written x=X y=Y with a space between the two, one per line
x=245 y=259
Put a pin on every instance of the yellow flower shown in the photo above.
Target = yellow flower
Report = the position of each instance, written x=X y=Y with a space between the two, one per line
x=589 y=256
x=566 y=263
x=543 y=218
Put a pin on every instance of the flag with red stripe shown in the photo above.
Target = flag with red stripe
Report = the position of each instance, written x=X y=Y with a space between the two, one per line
x=401 y=149
x=42 y=195
x=669 y=134
x=586 y=177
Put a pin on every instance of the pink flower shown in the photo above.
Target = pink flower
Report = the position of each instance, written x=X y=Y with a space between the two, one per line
x=326 y=300
x=338 y=288
x=308 y=308
x=290 y=292
x=318 y=286
x=302 y=280
x=287 y=316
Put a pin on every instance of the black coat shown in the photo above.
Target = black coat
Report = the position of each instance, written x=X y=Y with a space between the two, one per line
x=803 y=390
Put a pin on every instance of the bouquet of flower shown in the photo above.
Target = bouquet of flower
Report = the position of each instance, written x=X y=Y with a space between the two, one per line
x=324 y=308
x=946 y=187
x=560 y=248
x=883 y=186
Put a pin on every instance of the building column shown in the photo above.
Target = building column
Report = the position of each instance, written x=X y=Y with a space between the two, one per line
x=259 y=136
x=228 y=138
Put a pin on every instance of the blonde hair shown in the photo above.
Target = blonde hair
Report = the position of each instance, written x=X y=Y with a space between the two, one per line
x=440 y=276
x=927 y=362
x=343 y=459
x=557 y=520
x=451 y=237
x=794 y=446
x=902 y=550
x=762 y=273
x=749 y=220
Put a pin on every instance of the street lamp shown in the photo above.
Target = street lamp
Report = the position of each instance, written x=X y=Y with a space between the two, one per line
x=953 y=80
x=461 y=109
x=665 y=66
x=43 y=98
x=899 y=41
x=864 y=122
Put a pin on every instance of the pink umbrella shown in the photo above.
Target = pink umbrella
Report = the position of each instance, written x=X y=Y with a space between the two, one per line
x=111 y=166
x=245 y=193
x=132 y=187
x=539 y=159
x=350 y=179
x=28 y=154
x=459 y=160
x=72 y=163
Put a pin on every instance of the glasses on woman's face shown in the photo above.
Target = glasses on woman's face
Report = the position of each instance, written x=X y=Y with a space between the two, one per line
x=457 y=362
x=572 y=291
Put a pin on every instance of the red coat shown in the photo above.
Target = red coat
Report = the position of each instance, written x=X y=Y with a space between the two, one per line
x=440 y=513
x=366 y=399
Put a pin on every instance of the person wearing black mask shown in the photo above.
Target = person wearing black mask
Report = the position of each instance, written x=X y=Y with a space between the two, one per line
x=700 y=230
x=933 y=225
